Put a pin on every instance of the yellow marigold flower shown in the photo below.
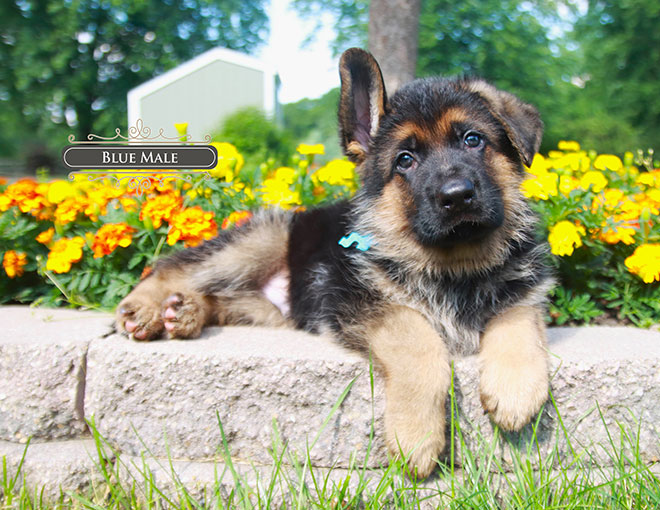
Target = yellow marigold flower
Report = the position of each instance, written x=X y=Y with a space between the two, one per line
x=285 y=174
x=161 y=207
x=60 y=190
x=236 y=219
x=540 y=165
x=277 y=192
x=64 y=253
x=643 y=201
x=572 y=161
x=310 y=150
x=611 y=198
x=595 y=179
x=337 y=172
x=622 y=232
x=654 y=196
x=237 y=187
x=608 y=162
x=543 y=186
x=13 y=262
x=230 y=161
x=645 y=262
x=68 y=210
x=5 y=203
x=192 y=226
x=568 y=183
x=568 y=146
x=650 y=179
x=46 y=236
x=564 y=237
x=109 y=237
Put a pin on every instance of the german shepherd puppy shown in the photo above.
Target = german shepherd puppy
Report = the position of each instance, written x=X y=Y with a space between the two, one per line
x=444 y=260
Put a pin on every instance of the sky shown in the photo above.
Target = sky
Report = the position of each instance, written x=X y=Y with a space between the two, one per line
x=304 y=72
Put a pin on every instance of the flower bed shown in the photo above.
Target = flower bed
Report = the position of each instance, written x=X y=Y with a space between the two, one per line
x=88 y=242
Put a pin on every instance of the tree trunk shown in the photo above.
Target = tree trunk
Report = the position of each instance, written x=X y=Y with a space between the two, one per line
x=393 y=35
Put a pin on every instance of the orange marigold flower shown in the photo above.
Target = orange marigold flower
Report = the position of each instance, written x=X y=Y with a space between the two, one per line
x=161 y=207
x=68 y=210
x=13 y=263
x=236 y=219
x=21 y=190
x=110 y=236
x=127 y=203
x=63 y=253
x=46 y=236
x=192 y=226
x=29 y=196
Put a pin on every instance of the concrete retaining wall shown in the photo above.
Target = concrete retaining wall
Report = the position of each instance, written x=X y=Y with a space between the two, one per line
x=59 y=368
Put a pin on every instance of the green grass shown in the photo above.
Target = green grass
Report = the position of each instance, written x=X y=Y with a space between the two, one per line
x=533 y=480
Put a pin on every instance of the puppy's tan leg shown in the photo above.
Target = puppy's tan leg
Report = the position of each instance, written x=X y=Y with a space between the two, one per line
x=249 y=308
x=417 y=377
x=514 y=367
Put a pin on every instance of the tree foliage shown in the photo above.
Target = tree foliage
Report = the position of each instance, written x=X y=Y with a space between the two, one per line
x=506 y=42
x=620 y=43
x=597 y=83
x=73 y=62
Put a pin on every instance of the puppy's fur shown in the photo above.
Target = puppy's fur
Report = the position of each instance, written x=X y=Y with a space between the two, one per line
x=452 y=267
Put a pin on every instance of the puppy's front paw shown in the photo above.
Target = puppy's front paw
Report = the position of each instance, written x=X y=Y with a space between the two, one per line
x=418 y=434
x=511 y=393
x=139 y=318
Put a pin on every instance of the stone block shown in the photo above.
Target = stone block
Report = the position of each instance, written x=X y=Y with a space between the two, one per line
x=271 y=387
x=56 y=467
x=42 y=370
x=267 y=387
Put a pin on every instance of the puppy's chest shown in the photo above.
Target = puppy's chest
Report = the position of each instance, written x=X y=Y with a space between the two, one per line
x=457 y=310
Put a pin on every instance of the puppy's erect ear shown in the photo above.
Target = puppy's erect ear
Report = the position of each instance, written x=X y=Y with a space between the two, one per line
x=362 y=102
x=520 y=120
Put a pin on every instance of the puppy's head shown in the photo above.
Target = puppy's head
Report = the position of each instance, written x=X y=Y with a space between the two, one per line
x=442 y=159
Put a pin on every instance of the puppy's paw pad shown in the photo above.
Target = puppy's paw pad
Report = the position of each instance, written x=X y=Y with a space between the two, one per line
x=139 y=321
x=183 y=316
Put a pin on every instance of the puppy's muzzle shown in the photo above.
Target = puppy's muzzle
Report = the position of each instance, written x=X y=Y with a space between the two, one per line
x=456 y=195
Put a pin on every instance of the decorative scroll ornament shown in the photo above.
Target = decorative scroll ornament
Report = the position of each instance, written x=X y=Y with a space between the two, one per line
x=140 y=181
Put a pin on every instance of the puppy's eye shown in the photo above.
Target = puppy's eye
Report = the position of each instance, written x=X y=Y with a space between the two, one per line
x=473 y=140
x=405 y=161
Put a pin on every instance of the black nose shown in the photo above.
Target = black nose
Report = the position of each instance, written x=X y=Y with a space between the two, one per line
x=456 y=194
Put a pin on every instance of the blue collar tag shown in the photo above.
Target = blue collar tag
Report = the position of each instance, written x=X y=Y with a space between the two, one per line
x=362 y=243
